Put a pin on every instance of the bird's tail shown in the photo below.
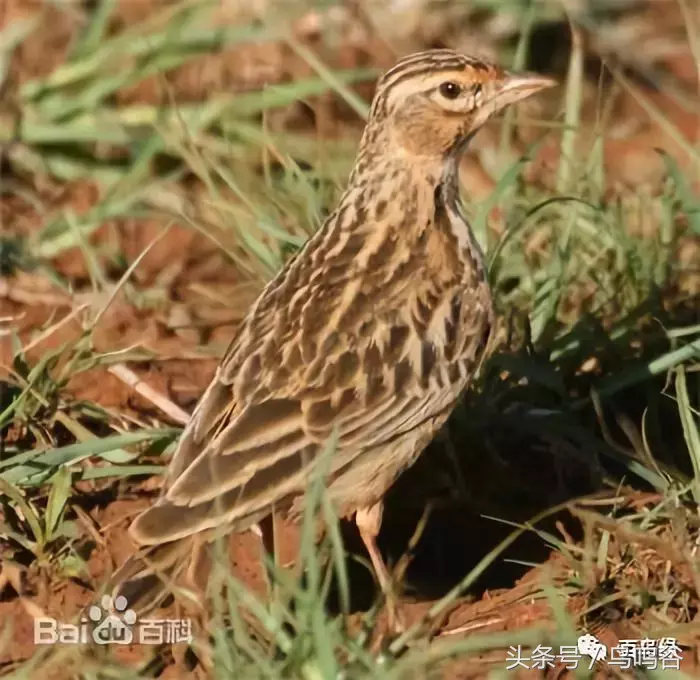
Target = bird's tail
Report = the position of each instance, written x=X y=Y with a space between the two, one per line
x=152 y=574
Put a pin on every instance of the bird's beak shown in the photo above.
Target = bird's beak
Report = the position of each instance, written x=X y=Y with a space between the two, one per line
x=516 y=86
x=509 y=89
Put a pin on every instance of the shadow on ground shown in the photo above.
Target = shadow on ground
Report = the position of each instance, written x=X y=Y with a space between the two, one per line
x=518 y=447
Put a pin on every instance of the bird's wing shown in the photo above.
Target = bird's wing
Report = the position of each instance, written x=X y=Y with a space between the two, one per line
x=317 y=356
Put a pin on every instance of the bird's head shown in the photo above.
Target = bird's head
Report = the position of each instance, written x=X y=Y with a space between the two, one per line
x=432 y=102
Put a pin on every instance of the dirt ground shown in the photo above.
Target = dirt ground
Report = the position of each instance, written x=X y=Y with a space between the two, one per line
x=184 y=264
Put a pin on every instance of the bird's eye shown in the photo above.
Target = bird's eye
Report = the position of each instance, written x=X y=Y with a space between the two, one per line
x=450 y=90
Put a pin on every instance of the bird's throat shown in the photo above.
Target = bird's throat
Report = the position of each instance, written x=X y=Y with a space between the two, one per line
x=450 y=212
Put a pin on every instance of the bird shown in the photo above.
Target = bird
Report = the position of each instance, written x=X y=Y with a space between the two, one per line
x=368 y=335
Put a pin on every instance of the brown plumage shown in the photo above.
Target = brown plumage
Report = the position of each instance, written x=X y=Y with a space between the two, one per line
x=372 y=331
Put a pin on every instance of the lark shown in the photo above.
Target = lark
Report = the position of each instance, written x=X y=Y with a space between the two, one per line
x=369 y=335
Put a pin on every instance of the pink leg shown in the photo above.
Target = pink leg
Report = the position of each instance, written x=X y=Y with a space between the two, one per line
x=369 y=521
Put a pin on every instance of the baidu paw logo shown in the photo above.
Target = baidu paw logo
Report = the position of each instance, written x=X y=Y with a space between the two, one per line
x=113 y=621
x=590 y=645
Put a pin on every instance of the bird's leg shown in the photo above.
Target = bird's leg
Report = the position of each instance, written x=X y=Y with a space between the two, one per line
x=265 y=530
x=369 y=521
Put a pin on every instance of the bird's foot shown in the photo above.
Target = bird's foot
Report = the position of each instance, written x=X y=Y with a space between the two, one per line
x=396 y=621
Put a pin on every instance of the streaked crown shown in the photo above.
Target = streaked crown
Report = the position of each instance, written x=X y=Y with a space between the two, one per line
x=432 y=101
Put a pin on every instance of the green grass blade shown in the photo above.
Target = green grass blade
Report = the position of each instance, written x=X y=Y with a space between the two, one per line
x=690 y=428
x=21 y=467
x=58 y=497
